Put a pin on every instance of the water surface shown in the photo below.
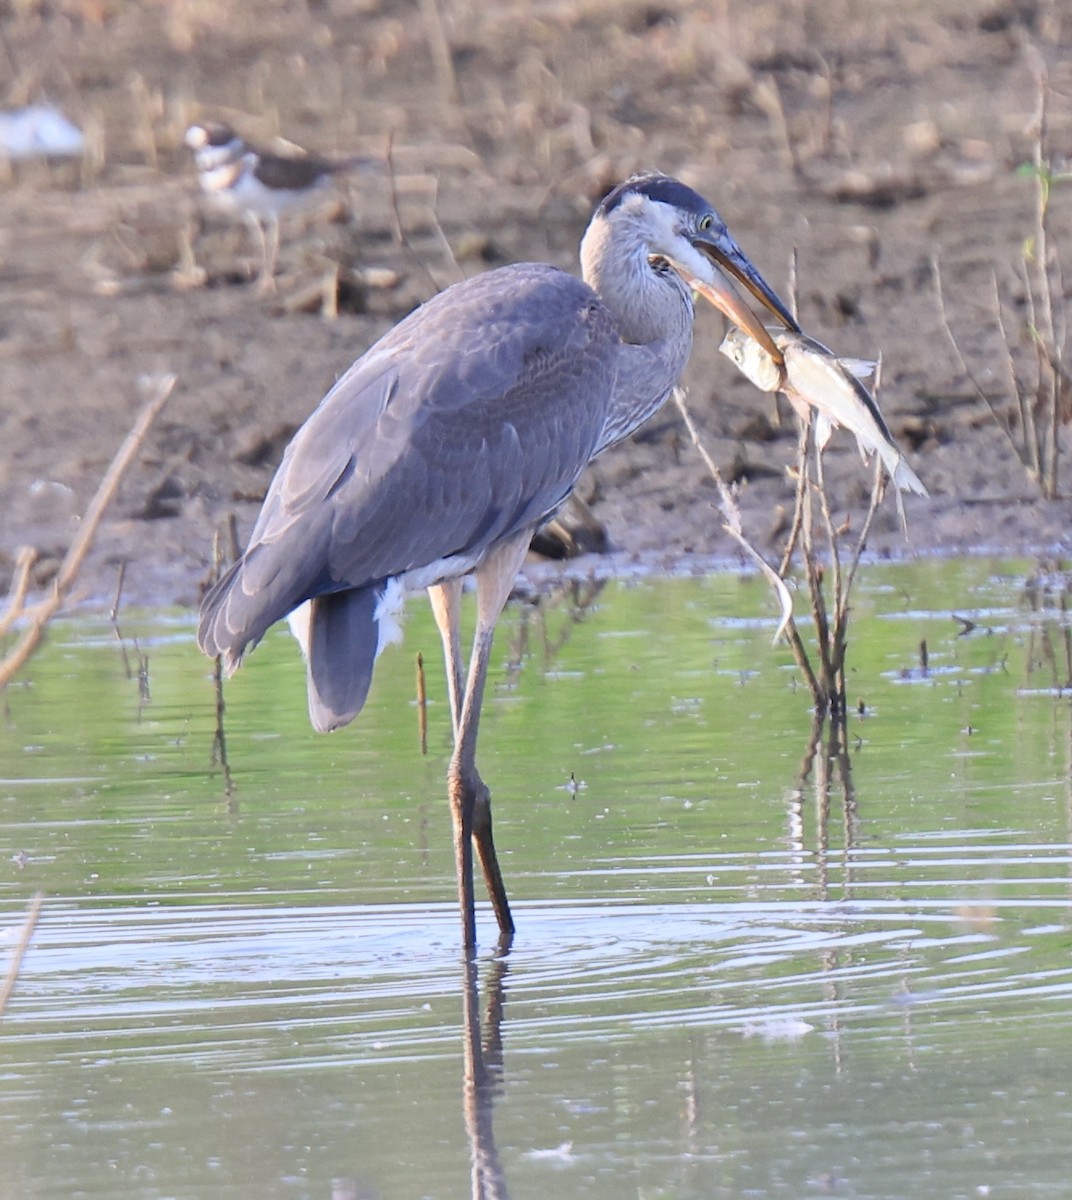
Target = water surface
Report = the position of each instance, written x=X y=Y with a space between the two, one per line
x=742 y=968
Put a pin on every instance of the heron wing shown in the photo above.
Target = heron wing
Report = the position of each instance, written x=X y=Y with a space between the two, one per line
x=472 y=419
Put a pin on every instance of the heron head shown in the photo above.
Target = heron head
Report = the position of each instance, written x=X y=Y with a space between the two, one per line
x=682 y=228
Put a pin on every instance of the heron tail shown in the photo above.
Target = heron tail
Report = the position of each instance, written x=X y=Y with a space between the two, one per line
x=343 y=638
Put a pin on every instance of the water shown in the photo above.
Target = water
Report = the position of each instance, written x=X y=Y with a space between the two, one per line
x=741 y=969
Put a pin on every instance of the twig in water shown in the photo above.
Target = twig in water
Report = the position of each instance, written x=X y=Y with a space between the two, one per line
x=776 y=579
x=23 y=944
x=219 y=737
x=422 y=704
x=141 y=659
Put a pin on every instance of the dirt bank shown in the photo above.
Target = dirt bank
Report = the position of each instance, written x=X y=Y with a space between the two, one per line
x=870 y=138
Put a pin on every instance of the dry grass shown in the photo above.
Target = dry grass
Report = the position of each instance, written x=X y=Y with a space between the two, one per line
x=36 y=617
x=1033 y=345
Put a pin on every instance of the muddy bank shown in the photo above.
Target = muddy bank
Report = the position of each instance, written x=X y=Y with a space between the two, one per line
x=870 y=143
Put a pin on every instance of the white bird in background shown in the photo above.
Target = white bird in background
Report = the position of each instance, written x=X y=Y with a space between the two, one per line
x=259 y=186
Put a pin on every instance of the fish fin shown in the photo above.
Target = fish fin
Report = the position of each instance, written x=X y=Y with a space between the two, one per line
x=860 y=368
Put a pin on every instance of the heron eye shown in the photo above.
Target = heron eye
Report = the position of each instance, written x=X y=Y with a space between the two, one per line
x=705 y=223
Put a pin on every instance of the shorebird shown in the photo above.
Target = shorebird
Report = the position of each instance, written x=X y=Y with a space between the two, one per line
x=260 y=186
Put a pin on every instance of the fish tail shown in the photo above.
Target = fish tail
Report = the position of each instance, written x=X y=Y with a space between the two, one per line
x=899 y=470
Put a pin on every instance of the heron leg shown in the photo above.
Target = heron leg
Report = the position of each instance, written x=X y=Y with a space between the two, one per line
x=446 y=601
x=470 y=798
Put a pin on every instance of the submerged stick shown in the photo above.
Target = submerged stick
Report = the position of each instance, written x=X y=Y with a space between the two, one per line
x=142 y=660
x=23 y=944
x=219 y=736
x=422 y=705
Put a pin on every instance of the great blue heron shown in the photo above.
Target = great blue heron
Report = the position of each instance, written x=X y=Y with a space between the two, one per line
x=259 y=186
x=448 y=442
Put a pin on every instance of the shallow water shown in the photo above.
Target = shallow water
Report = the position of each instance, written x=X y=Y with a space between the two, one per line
x=740 y=970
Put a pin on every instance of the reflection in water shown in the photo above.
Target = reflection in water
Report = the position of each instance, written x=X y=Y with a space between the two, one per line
x=483 y=1058
x=832 y=771
x=826 y=764
x=1049 y=646
x=1046 y=595
x=574 y=598
x=265 y=1001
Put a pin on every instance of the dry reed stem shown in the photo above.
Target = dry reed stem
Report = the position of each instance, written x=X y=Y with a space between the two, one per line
x=878 y=490
x=1042 y=318
x=732 y=521
x=439 y=48
x=39 y=615
x=20 y=586
x=962 y=363
x=113 y=616
x=422 y=706
x=396 y=216
x=142 y=661
x=1042 y=408
x=732 y=525
x=442 y=235
x=23 y=944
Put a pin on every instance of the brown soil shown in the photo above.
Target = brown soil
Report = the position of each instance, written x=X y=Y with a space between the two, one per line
x=871 y=137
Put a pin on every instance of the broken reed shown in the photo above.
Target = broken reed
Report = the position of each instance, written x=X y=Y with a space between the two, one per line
x=829 y=573
x=813 y=537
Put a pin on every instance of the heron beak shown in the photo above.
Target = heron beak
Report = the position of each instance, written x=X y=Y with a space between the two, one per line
x=727 y=257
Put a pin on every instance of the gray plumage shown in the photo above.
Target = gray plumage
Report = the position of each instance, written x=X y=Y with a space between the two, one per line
x=471 y=419
x=447 y=443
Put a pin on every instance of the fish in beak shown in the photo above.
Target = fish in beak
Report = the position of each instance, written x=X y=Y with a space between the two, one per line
x=724 y=261
x=812 y=377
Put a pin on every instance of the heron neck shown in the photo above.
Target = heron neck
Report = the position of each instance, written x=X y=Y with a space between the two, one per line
x=649 y=305
x=653 y=312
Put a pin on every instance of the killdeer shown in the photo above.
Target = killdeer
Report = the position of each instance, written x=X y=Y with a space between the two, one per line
x=260 y=186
